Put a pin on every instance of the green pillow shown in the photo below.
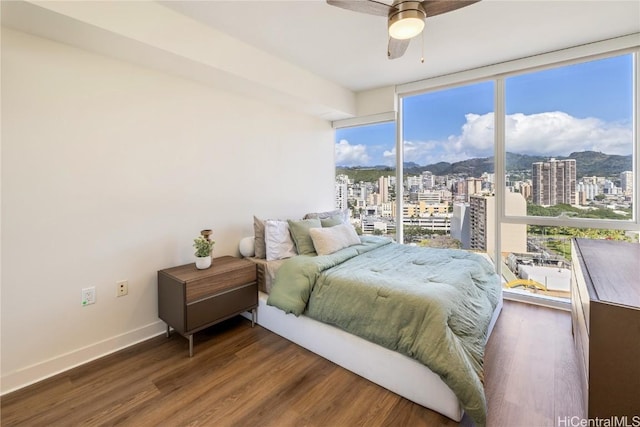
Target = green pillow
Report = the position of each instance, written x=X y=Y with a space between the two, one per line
x=300 y=234
x=331 y=221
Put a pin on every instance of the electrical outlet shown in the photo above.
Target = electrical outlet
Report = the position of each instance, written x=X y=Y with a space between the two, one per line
x=88 y=296
x=122 y=288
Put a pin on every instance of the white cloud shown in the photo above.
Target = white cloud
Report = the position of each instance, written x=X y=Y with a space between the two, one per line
x=553 y=133
x=558 y=133
x=414 y=151
x=547 y=134
x=389 y=155
x=351 y=155
x=475 y=140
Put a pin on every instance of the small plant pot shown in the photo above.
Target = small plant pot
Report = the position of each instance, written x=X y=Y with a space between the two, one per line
x=203 y=262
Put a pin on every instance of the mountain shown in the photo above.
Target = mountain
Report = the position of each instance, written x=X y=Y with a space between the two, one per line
x=588 y=163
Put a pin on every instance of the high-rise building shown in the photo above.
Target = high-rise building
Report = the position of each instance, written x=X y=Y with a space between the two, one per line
x=482 y=221
x=427 y=180
x=582 y=197
x=608 y=187
x=589 y=189
x=554 y=182
x=460 y=190
x=525 y=190
x=362 y=194
x=342 y=191
x=383 y=189
x=341 y=195
x=474 y=186
x=626 y=182
x=460 y=224
x=414 y=183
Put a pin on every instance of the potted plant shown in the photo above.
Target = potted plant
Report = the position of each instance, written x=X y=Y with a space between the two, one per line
x=204 y=247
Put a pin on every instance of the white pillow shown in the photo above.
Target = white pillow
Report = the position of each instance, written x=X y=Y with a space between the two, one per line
x=278 y=241
x=330 y=239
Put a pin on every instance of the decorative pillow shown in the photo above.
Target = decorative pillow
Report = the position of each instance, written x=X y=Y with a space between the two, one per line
x=258 y=232
x=342 y=213
x=330 y=239
x=331 y=221
x=300 y=234
x=279 y=244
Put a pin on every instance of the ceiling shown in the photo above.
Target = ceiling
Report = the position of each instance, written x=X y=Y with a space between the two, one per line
x=349 y=48
x=310 y=56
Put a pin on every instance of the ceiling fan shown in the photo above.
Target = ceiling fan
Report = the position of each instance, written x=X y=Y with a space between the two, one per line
x=405 y=19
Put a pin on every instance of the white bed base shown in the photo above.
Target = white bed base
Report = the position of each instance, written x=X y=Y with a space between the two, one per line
x=389 y=369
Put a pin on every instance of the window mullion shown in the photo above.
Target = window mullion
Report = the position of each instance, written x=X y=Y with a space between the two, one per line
x=399 y=173
x=499 y=167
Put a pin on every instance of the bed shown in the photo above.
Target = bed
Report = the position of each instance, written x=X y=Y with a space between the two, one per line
x=291 y=291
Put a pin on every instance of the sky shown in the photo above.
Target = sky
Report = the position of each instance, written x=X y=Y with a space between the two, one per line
x=587 y=106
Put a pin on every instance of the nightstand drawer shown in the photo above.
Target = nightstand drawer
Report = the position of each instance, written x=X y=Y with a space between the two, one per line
x=222 y=305
x=228 y=273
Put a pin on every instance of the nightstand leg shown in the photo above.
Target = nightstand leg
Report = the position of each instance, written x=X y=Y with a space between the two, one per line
x=254 y=317
x=190 y=345
x=168 y=331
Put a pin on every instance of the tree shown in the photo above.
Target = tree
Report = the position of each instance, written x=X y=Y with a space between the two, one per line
x=411 y=232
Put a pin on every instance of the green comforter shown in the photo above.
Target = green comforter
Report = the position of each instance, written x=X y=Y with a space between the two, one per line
x=433 y=305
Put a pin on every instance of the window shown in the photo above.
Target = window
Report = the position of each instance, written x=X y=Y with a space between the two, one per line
x=366 y=176
x=569 y=139
x=566 y=144
x=569 y=153
x=541 y=262
x=448 y=169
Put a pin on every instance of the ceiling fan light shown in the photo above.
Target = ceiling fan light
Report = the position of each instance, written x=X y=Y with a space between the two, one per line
x=406 y=28
x=406 y=20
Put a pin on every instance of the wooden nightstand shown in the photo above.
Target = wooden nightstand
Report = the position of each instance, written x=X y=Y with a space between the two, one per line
x=190 y=300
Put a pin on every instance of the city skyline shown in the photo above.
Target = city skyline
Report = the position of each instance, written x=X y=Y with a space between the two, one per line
x=587 y=106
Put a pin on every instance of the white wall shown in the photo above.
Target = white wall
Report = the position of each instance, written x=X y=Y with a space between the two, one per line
x=109 y=170
x=376 y=101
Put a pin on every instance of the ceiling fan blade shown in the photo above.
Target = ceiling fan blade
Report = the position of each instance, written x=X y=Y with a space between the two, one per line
x=370 y=7
x=438 y=7
x=397 y=47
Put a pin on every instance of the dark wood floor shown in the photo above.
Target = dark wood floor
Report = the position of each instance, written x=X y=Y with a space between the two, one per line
x=245 y=376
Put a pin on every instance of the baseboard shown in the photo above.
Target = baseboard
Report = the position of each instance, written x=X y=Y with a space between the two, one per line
x=537 y=299
x=16 y=380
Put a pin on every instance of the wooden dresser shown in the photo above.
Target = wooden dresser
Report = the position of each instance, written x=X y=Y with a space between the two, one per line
x=605 y=311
